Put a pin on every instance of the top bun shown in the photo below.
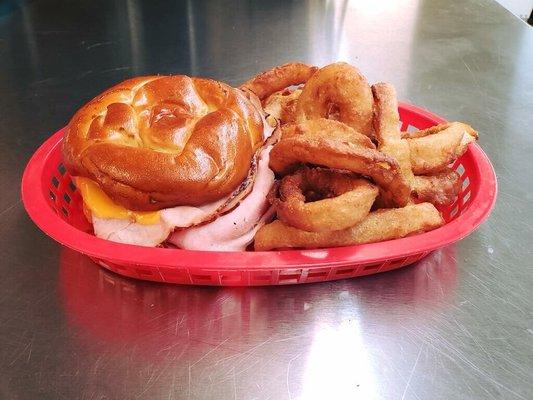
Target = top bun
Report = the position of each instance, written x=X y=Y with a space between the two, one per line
x=162 y=141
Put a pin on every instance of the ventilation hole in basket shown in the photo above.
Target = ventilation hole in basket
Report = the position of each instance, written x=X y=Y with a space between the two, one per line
x=454 y=212
x=371 y=267
x=466 y=197
x=345 y=271
x=55 y=182
x=261 y=277
x=416 y=258
x=317 y=274
x=460 y=169
x=52 y=195
x=289 y=278
x=61 y=168
x=72 y=186
x=397 y=263
x=466 y=183
x=410 y=260
x=175 y=275
x=67 y=198
x=231 y=278
x=64 y=211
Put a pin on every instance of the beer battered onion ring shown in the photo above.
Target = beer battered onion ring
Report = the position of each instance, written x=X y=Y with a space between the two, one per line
x=439 y=189
x=338 y=91
x=327 y=128
x=387 y=128
x=336 y=152
x=282 y=105
x=346 y=199
x=433 y=149
x=279 y=78
x=380 y=225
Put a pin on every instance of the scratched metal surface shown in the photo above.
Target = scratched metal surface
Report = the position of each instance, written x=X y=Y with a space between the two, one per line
x=457 y=325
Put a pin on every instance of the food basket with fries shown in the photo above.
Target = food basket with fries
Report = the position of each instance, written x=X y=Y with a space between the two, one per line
x=54 y=203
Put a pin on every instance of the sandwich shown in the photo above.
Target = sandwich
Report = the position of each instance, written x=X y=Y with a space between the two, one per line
x=172 y=161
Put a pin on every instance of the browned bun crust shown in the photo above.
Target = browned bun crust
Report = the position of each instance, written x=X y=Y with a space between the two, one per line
x=162 y=141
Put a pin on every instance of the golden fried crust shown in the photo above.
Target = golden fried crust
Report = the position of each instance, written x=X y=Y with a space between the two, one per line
x=340 y=154
x=439 y=128
x=344 y=201
x=439 y=189
x=387 y=128
x=279 y=78
x=338 y=91
x=161 y=141
x=322 y=127
x=282 y=105
x=380 y=225
x=435 y=148
x=386 y=117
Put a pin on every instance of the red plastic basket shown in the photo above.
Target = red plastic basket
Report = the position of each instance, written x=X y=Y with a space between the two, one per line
x=53 y=203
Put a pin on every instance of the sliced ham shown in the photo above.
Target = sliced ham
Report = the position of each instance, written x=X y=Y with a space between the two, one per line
x=236 y=229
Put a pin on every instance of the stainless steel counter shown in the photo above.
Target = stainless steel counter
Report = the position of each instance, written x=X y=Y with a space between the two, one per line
x=458 y=325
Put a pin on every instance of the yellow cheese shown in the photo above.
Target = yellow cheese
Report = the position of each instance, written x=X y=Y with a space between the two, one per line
x=102 y=206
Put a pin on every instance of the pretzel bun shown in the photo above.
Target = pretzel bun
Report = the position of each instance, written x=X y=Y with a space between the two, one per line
x=161 y=141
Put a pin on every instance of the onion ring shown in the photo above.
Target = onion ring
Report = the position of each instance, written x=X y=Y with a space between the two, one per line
x=379 y=225
x=435 y=148
x=387 y=128
x=279 y=78
x=327 y=128
x=319 y=149
x=282 y=105
x=338 y=91
x=347 y=201
x=439 y=189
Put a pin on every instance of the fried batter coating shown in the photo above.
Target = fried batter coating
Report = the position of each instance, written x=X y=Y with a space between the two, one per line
x=380 y=225
x=338 y=91
x=338 y=200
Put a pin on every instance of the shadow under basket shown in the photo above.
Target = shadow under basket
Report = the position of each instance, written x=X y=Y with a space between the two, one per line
x=54 y=204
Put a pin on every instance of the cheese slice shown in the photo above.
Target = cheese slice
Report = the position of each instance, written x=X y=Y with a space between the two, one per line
x=101 y=205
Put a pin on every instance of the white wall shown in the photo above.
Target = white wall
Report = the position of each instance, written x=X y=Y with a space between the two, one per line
x=522 y=8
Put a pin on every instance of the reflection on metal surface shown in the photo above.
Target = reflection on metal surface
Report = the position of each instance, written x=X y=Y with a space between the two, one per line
x=192 y=38
x=30 y=42
x=325 y=42
x=338 y=364
x=398 y=16
x=121 y=310
x=324 y=343
x=135 y=27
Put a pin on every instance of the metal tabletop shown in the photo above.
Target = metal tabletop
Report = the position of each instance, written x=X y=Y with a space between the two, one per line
x=457 y=325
